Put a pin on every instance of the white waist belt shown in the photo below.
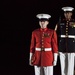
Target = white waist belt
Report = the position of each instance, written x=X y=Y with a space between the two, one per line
x=69 y=36
x=45 y=49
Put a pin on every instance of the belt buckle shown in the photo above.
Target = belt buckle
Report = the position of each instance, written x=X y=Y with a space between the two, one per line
x=42 y=49
x=66 y=36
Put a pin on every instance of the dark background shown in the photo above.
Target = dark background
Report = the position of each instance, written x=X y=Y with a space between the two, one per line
x=17 y=21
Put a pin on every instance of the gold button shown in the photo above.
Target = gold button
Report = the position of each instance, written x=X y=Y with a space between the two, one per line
x=66 y=28
x=66 y=31
x=42 y=34
x=42 y=43
x=42 y=37
x=66 y=23
x=66 y=35
x=42 y=40
x=42 y=46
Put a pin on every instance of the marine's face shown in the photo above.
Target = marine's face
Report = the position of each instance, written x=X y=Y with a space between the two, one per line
x=43 y=24
x=68 y=15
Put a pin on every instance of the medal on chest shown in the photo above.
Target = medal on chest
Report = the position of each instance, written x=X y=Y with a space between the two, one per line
x=46 y=35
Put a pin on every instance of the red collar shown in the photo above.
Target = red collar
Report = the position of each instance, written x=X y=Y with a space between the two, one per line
x=43 y=29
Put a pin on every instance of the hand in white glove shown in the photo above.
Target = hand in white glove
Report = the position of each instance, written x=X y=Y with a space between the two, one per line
x=54 y=63
x=30 y=63
x=30 y=59
x=55 y=59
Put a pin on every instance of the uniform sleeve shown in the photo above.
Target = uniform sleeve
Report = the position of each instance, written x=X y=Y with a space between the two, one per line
x=32 y=45
x=54 y=42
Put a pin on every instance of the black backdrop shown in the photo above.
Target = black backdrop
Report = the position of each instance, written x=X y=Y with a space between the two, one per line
x=17 y=21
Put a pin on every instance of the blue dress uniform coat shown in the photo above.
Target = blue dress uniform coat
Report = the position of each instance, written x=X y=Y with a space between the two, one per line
x=41 y=40
x=66 y=34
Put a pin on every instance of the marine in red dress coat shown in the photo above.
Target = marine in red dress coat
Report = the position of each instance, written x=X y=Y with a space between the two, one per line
x=43 y=44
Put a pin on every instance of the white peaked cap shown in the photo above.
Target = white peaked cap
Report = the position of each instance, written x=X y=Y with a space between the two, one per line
x=67 y=8
x=40 y=16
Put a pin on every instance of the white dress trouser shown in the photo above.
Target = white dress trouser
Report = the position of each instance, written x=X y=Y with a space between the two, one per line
x=67 y=63
x=43 y=70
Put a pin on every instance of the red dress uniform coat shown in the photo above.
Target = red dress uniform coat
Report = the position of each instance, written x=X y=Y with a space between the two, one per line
x=43 y=39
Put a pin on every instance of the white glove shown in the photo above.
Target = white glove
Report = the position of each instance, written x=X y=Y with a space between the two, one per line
x=30 y=63
x=54 y=63
x=55 y=59
x=30 y=59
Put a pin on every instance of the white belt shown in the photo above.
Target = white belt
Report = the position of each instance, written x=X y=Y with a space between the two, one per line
x=69 y=36
x=45 y=49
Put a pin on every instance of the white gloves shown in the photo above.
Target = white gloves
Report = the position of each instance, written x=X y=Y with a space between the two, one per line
x=30 y=59
x=55 y=59
x=54 y=63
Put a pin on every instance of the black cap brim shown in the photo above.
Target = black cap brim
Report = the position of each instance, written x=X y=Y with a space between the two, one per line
x=43 y=19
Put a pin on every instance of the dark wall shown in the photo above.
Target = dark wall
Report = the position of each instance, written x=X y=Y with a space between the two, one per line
x=17 y=21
